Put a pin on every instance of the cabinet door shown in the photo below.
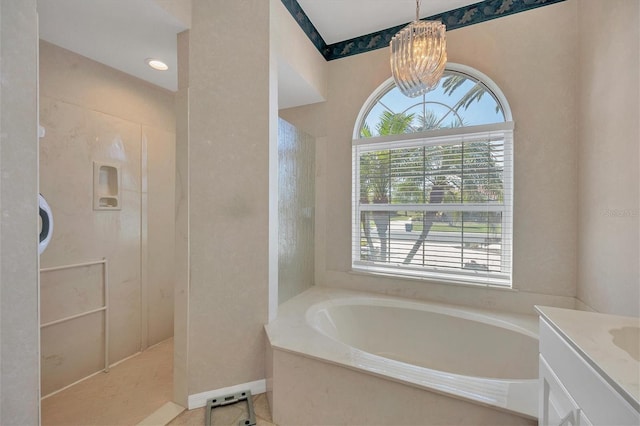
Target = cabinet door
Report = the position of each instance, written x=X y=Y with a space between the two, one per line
x=557 y=408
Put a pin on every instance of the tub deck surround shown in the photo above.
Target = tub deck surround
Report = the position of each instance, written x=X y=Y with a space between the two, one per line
x=487 y=363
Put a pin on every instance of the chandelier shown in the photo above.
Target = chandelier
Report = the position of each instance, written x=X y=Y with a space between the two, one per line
x=418 y=55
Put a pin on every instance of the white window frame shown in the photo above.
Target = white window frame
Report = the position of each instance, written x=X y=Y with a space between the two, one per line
x=498 y=131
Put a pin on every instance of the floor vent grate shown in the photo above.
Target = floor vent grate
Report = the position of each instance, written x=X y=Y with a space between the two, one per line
x=230 y=399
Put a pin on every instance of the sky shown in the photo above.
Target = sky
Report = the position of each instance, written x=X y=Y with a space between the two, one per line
x=479 y=112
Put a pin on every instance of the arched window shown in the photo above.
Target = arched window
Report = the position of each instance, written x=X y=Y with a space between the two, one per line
x=432 y=182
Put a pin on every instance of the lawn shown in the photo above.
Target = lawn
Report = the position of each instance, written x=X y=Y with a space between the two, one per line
x=476 y=227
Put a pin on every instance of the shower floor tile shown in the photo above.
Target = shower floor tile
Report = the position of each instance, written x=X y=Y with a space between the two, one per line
x=125 y=396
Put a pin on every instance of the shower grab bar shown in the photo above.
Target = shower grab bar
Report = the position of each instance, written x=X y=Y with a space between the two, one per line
x=105 y=307
x=73 y=265
x=72 y=317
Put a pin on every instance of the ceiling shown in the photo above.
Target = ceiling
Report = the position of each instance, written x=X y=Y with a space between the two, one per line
x=118 y=33
x=339 y=20
x=123 y=33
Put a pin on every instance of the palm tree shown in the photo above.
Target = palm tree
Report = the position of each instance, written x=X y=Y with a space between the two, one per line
x=375 y=179
x=480 y=181
x=454 y=81
x=442 y=183
x=428 y=121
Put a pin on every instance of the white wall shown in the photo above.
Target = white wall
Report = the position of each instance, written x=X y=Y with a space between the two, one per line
x=95 y=113
x=19 y=332
x=608 y=140
x=531 y=57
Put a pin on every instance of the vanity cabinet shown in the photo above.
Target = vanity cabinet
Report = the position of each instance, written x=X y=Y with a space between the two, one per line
x=557 y=407
x=573 y=391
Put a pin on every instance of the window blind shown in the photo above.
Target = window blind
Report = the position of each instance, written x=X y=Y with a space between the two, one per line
x=435 y=207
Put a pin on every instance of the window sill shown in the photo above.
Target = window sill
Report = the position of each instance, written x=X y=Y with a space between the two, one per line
x=441 y=279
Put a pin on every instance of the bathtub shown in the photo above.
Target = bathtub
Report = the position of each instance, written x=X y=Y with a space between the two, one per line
x=332 y=346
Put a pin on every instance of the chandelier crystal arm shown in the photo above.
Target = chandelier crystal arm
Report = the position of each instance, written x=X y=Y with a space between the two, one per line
x=418 y=55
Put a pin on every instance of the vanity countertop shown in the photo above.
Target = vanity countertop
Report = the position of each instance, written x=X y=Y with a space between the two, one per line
x=609 y=343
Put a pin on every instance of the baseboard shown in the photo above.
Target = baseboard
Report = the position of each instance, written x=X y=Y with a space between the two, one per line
x=88 y=377
x=200 y=399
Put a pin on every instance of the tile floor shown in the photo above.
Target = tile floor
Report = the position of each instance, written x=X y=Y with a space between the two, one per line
x=133 y=390
x=125 y=396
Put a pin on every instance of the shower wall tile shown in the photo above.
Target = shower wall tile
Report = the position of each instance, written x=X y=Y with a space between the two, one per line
x=95 y=113
x=67 y=292
x=78 y=80
x=64 y=360
x=161 y=231
x=76 y=137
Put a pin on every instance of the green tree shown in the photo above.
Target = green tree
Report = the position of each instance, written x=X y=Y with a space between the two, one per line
x=458 y=174
x=375 y=179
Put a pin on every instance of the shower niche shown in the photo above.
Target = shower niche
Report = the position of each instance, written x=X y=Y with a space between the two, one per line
x=106 y=186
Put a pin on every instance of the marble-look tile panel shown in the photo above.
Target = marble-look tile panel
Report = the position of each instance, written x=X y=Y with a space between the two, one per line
x=309 y=392
x=102 y=88
x=75 y=138
x=67 y=292
x=92 y=113
x=71 y=351
x=160 y=231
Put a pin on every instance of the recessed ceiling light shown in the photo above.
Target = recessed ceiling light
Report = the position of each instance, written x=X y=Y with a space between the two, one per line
x=157 y=64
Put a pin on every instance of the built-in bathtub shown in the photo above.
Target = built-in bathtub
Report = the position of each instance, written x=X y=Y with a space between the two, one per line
x=340 y=357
